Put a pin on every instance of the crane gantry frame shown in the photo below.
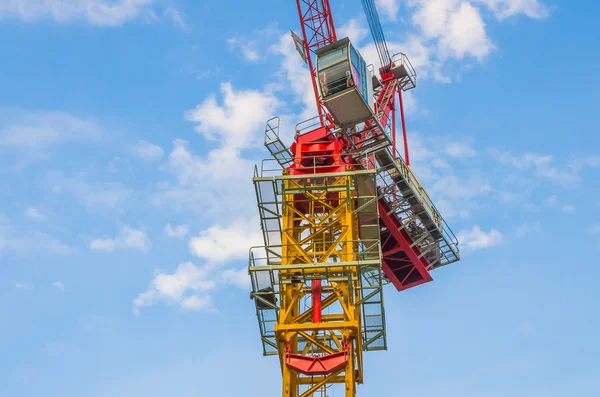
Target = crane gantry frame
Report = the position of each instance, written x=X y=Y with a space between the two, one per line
x=342 y=215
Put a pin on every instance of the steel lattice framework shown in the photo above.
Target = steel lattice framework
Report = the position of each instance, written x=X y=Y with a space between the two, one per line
x=318 y=31
x=342 y=214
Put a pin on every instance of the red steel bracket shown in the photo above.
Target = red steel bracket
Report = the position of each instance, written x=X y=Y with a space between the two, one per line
x=318 y=365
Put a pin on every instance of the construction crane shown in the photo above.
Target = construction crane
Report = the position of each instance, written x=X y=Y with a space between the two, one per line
x=342 y=214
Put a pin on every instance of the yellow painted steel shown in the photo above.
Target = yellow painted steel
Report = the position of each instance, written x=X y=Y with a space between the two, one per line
x=319 y=226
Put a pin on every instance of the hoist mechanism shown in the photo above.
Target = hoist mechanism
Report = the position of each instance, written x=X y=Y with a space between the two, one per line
x=342 y=214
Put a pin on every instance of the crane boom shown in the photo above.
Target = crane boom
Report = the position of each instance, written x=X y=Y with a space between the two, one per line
x=318 y=31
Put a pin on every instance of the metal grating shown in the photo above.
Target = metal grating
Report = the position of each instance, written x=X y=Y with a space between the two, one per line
x=275 y=145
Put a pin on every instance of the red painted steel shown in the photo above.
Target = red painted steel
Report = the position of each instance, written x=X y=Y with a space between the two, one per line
x=318 y=31
x=316 y=298
x=387 y=104
x=401 y=262
x=406 y=158
x=320 y=150
x=394 y=129
x=318 y=365
x=317 y=151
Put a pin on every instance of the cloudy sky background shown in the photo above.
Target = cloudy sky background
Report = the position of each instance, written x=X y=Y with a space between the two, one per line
x=129 y=130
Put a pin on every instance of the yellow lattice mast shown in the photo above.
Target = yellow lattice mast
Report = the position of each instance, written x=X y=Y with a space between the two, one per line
x=318 y=289
x=320 y=228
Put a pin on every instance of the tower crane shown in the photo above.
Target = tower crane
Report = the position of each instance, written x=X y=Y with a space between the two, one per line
x=342 y=214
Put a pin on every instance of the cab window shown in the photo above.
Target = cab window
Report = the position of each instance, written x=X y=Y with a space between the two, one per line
x=336 y=78
x=333 y=57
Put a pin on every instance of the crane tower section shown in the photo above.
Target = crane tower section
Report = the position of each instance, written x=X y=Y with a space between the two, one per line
x=342 y=215
x=317 y=284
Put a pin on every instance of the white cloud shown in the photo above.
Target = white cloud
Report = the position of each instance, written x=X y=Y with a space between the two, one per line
x=543 y=166
x=298 y=76
x=580 y=163
x=92 y=195
x=30 y=243
x=52 y=245
x=187 y=276
x=591 y=161
x=27 y=135
x=105 y=244
x=215 y=180
x=218 y=244
x=218 y=178
x=354 y=30
x=148 y=151
x=457 y=26
x=135 y=239
x=453 y=187
x=465 y=35
x=236 y=120
x=128 y=238
x=460 y=150
x=220 y=165
x=189 y=286
x=389 y=7
x=24 y=286
x=239 y=277
x=446 y=29
x=456 y=196
x=58 y=285
x=511 y=197
x=528 y=228
x=551 y=200
x=249 y=51
x=456 y=192
x=421 y=53
x=195 y=302
x=568 y=209
x=507 y=8
x=96 y=12
x=34 y=213
x=254 y=46
x=177 y=18
x=178 y=231
x=475 y=239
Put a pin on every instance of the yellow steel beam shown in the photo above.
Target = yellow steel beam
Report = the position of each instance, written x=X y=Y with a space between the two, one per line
x=315 y=342
x=317 y=227
x=314 y=379
x=331 y=299
x=341 y=325
x=319 y=384
x=295 y=299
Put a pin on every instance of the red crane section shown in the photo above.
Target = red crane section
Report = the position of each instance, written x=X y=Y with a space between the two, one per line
x=318 y=31
x=403 y=262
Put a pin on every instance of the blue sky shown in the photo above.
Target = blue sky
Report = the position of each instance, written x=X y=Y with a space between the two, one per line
x=128 y=135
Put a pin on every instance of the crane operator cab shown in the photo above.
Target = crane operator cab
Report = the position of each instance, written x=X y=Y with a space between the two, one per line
x=345 y=84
